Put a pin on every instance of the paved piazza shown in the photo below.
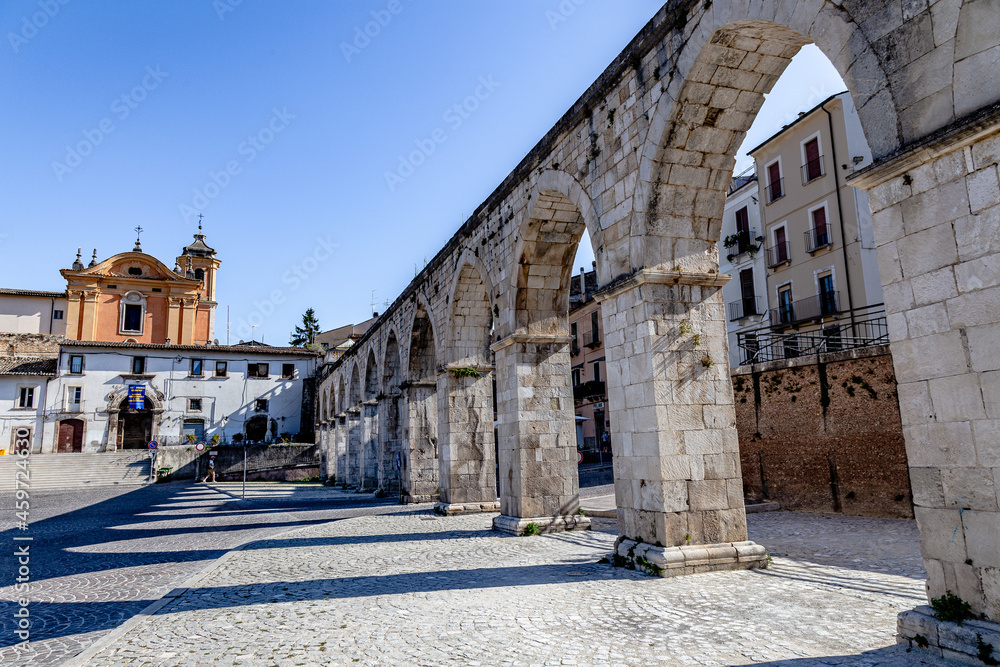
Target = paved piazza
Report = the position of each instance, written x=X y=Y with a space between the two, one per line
x=410 y=588
x=100 y=556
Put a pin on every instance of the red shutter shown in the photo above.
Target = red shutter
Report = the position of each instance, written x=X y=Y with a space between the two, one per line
x=774 y=180
x=742 y=221
x=819 y=222
x=779 y=242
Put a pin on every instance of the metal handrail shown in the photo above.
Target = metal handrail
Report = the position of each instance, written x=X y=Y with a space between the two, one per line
x=765 y=345
x=813 y=164
x=774 y=257
x=815 y=239
x=775 y=190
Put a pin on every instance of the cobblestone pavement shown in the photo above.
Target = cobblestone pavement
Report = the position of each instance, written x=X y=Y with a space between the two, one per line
x=100 y=556
x=421 y=590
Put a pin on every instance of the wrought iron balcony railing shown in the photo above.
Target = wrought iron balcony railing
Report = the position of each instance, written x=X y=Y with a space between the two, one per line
x=745 y=307
x=818 y=237
x=775 y=190
x=821 y=305
x=813 y=169
x=778 y=254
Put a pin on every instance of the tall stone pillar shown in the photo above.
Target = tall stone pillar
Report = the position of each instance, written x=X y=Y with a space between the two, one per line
x=420 y=467
x=936 y=214
x=673 y=425
x=369 y=445
x=340 y=448
x=467 y=461
x=390 y=453
x=539 y=483
x=354 y=447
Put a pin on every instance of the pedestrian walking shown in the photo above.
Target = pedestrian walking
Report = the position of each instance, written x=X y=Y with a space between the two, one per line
x=211 y=469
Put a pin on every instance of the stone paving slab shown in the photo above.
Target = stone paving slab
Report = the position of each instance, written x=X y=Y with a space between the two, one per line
x=425 y=590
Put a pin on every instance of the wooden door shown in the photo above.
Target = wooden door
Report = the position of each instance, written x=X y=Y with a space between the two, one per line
x=70 y=437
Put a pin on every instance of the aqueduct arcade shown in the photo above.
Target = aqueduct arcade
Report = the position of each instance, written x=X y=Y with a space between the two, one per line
x=642 y=161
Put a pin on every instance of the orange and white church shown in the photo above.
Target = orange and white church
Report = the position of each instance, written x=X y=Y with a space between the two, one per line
x=135 y=298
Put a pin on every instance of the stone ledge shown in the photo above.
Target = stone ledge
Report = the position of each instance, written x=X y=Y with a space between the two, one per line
x=449 y=509
x=951 y=641
x=658 y=277
x=751 y=508
x=546 y=524
x=693 y=559
x=409 y=499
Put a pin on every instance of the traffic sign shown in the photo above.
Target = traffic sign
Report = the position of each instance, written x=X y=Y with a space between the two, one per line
x=200 y=446
x=152 y=444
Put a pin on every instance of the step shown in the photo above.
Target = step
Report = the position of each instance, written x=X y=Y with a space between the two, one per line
x=75 y=471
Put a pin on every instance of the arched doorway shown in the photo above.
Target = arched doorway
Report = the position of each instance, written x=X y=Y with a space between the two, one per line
x=70 y=438
x=135 y=428
x=256 y=428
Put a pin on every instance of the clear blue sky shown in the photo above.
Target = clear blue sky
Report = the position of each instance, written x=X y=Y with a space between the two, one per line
x=121 y=113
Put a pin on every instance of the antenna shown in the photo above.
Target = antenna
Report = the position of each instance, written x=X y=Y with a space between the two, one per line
x=373 y=300
x=228 y=323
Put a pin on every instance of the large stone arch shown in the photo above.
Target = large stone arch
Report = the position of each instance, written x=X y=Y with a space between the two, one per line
x=420 y=455
x=390 y=419
x=467 y=463
x=370 y=424
x=354 y=426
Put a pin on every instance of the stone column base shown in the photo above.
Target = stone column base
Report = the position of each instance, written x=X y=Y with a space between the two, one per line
x=409 y=499
x=968 y=643
x=545 y=524
x=678 y=561
x=466 y=508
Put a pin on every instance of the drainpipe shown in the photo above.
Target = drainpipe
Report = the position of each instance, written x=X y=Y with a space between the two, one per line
x=52 y=310
x=840 y=216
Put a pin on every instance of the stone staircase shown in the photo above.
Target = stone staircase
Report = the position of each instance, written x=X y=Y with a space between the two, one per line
x=77 y=471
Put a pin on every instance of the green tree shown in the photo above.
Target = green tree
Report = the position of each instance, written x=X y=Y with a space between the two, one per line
x=304 y=335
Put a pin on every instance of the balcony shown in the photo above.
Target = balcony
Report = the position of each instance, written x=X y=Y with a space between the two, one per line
x=814 y=307
x=592 y=338
x=742 y=242
x=745 y=307
x=589 y=390
x=818 y=238
x=812 y=170
x=778 y=254
x=775 y=191
x=574 y=347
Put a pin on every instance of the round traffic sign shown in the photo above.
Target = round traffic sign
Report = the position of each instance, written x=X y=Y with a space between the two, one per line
x=200 y=446
x=152 y=444
x=579 y=457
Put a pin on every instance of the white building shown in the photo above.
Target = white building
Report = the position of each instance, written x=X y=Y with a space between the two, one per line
x=250 y=391
x=23 y=384
x=741 y=255
x=33 y=311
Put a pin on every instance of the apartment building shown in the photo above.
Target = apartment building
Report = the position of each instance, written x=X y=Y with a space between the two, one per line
x=821 y=289
x=589 y=369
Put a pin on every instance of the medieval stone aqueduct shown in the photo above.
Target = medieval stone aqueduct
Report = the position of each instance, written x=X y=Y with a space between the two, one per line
x=642 y=161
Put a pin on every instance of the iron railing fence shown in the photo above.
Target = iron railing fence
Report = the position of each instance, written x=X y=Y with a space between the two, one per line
x=766 y=345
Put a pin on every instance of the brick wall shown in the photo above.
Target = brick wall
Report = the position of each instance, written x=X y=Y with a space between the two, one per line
x=824 y=435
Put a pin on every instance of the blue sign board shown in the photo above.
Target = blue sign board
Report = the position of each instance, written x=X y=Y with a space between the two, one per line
x=137 y=397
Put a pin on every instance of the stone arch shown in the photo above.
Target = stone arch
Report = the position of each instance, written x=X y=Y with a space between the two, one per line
x=118 y=401
x=371 y=388
x=324 y=401
x=547 y=242
x=391 y=376
x=423 y=349
x=342 y=395
x=390 y=419
x=420 y=456
x=354 y=398
x=470 y=320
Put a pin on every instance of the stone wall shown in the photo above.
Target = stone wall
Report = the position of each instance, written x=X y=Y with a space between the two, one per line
x=824 y=435
x=29 y=344
x=187 y=463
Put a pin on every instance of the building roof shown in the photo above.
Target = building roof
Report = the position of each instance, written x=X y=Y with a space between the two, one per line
x=337 y=337
x=802 y=116
x=31 y=292
x=199 y=248
x=244 y=348
x=27 y=366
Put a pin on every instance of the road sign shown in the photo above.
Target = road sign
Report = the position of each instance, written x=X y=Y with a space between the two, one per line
x=579 y=457
x=152 y=444
x=200 y=446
